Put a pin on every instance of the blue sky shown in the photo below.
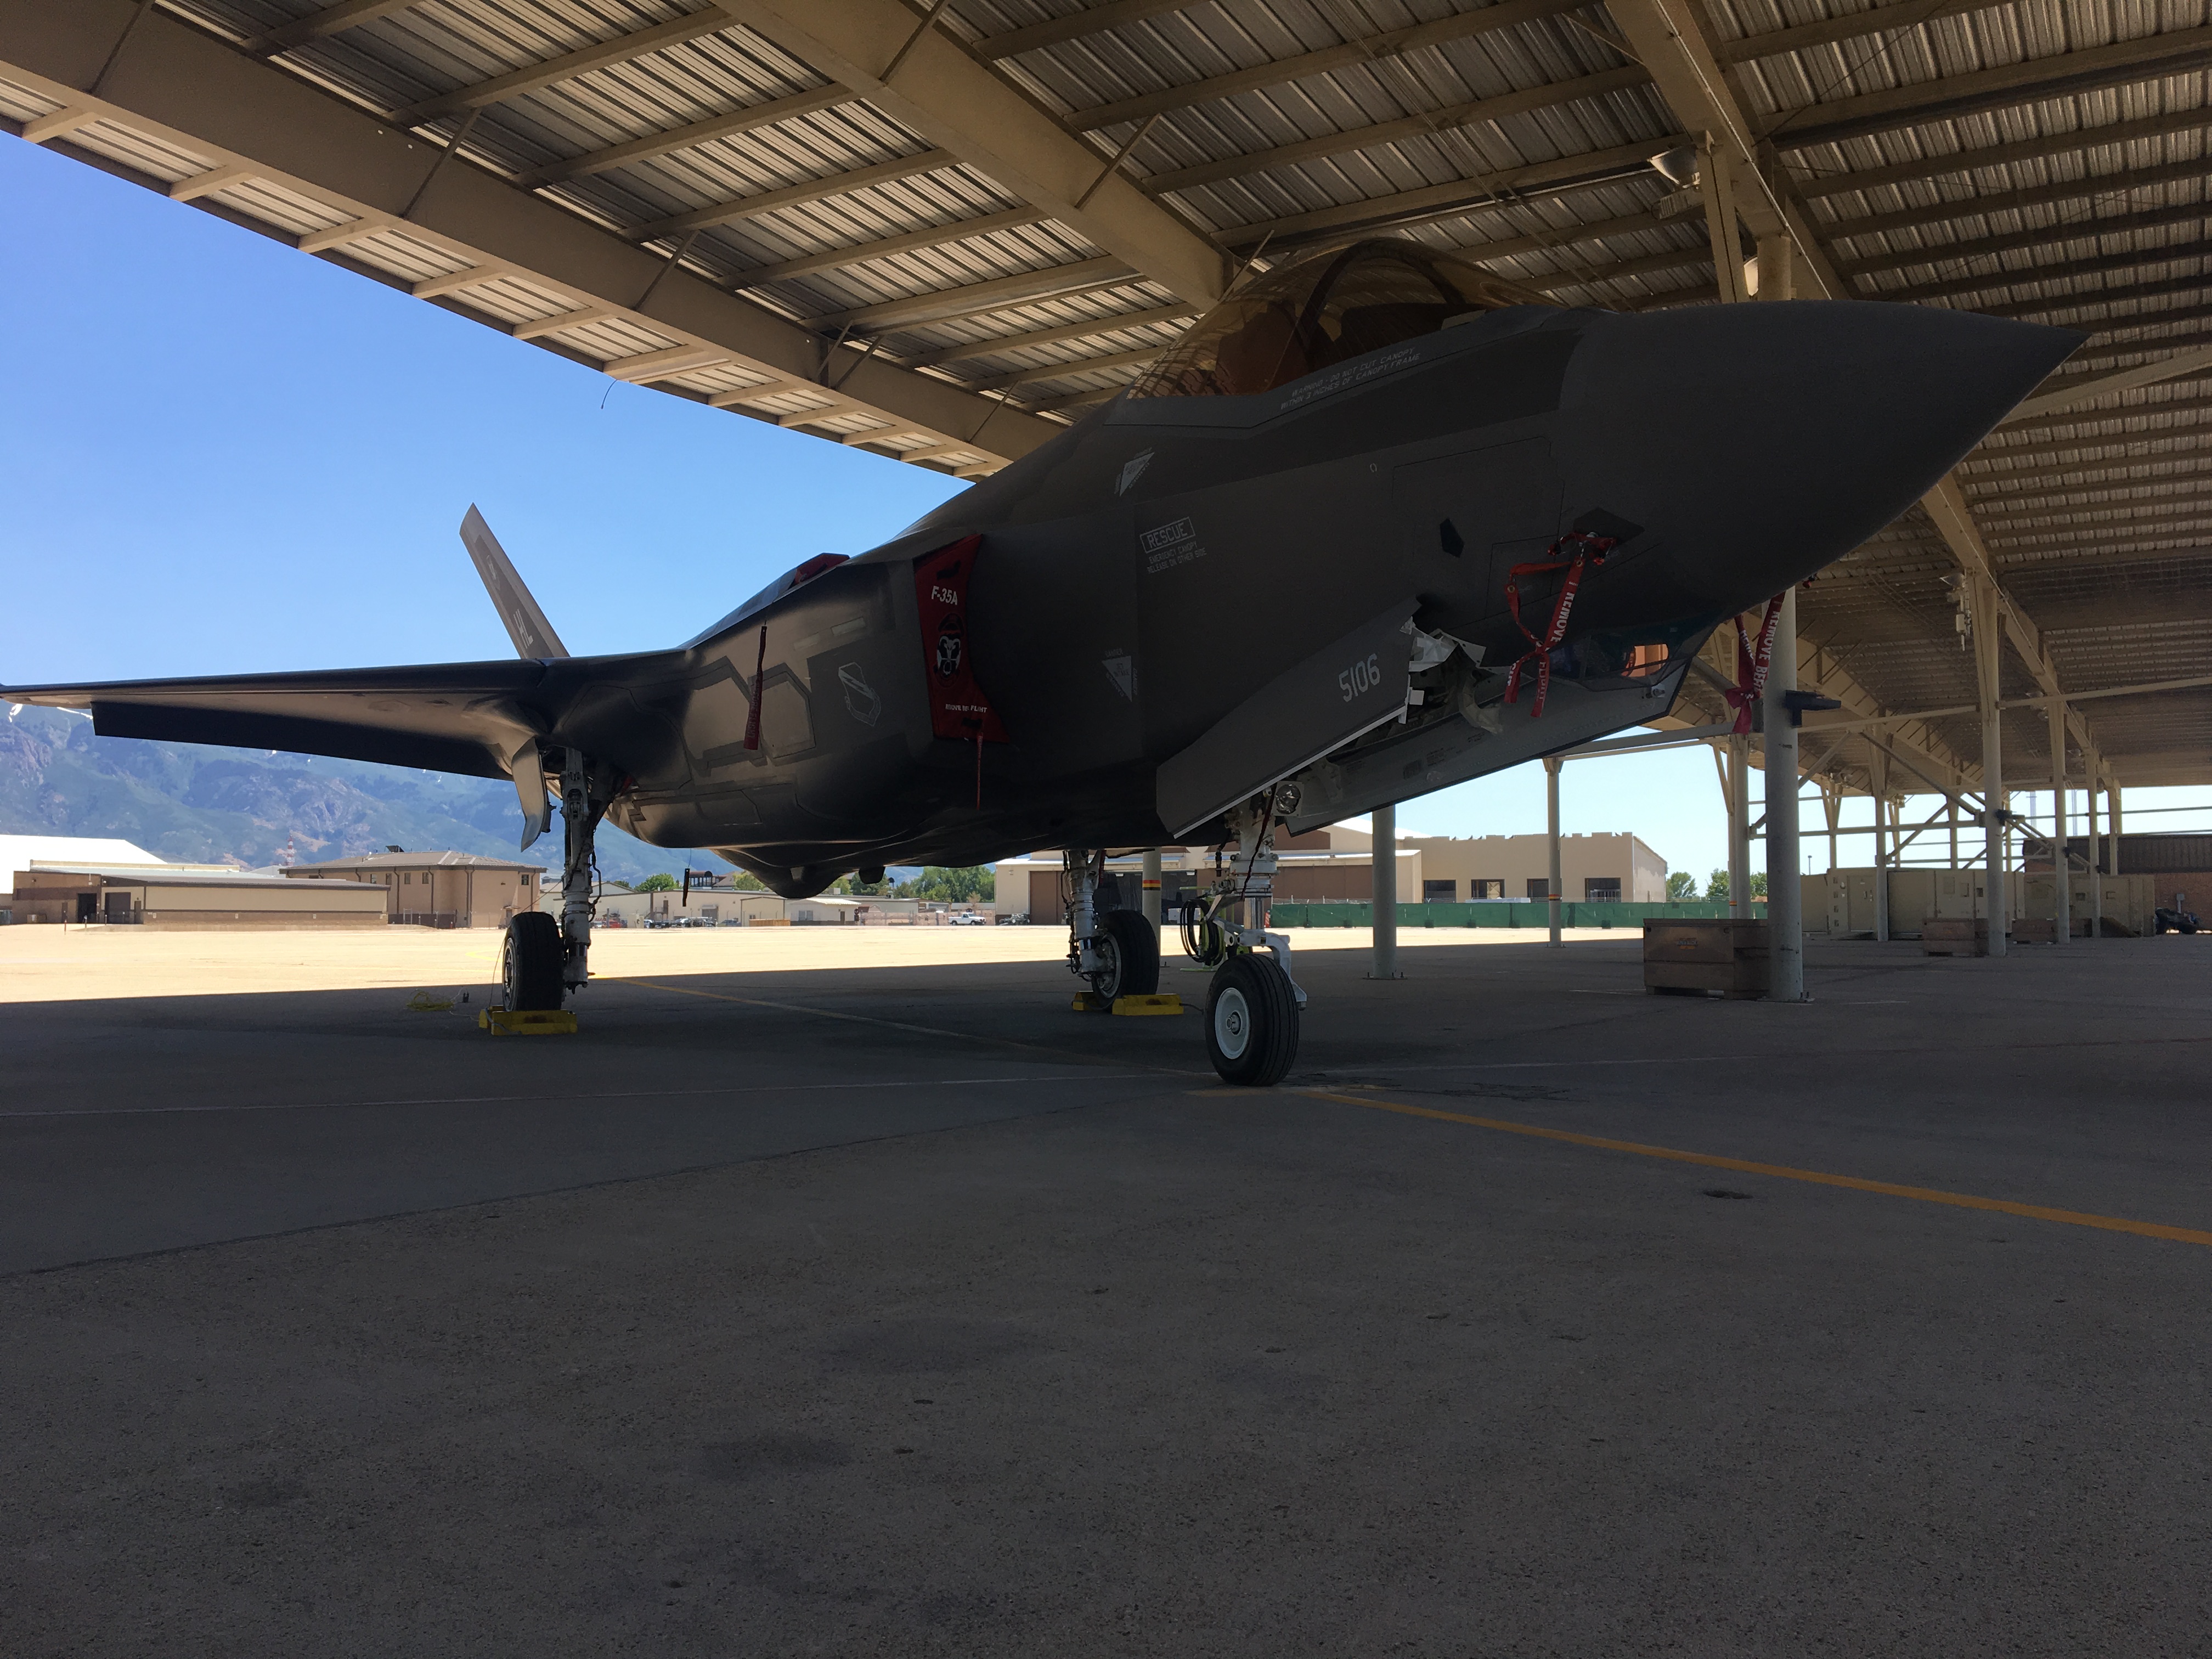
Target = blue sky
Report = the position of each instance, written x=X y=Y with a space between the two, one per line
x=221 y=456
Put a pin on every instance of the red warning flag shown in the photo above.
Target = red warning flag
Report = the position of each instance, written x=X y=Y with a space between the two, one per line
x=957 y=706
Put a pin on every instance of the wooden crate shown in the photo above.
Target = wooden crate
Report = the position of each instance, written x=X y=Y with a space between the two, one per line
x=1965 y=936
x=1725 y=956
x=1954 y=936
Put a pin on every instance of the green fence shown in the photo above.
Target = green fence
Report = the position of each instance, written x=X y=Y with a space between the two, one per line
x=1514 y=913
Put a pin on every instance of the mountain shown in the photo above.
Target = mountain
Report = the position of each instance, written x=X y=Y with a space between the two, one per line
x=208 y=806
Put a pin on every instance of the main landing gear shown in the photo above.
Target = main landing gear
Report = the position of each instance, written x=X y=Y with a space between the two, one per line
x=1252 y=1006
x=1114 y=952
x=544 y=959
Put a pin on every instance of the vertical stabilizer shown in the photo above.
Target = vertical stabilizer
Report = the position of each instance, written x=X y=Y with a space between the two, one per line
x=526 y=626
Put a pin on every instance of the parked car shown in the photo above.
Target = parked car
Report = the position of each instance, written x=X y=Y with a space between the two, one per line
x=971 y=919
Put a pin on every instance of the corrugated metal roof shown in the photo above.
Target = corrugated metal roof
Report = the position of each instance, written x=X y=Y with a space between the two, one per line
x=2037 y=158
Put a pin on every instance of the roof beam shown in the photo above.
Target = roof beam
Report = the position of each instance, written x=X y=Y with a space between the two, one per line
x=1044 y=336
x=2154 y=525
x=960 y=230
x=814 y=190
x=1995 y=155
x=2157 y=288
x=1997 y=486
x=2035 y=236
x=1070 y=366
x=174 y=82
x=567 y=67
x=1367 y=49
x=2057 y=499
x=1587 y=170
x=1954 y=95
x=980 y=299
x=1508 y=13
x=959 y=105
x=1095 y=21
x=2142 y=446
x=1391 y=132
x=1983 y=204
x=2078 y=390
x=2102 y=264
x=688 y=136
x=2108 y=349
x=1898 y=14
x=330 y=19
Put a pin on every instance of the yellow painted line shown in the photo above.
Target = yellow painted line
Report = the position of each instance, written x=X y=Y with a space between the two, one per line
x=1744 y=1166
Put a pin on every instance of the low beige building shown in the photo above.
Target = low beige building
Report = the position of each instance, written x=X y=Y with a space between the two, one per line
x=437 y=889
x=1600 y=869
x=1336 y=865
x=175 y=895
x=1330 y=865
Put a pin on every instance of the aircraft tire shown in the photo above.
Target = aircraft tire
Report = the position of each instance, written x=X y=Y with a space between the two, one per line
x=1133 y=950
x=1251 y=1022
x=529 y=969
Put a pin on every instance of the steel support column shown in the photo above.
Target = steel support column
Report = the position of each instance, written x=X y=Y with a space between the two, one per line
x=1383 y=880
x=1989 y=645
x=1552 y=766
x=2096 y=850
x=1786 y=892
x=2062 y=903
x=1739 y=826
x=1151 y=888
x=1884 y=835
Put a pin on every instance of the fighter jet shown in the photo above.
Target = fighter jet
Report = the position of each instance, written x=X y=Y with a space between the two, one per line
x=1379 y=523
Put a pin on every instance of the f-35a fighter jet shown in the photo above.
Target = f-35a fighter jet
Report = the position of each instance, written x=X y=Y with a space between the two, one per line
x=1379 y=523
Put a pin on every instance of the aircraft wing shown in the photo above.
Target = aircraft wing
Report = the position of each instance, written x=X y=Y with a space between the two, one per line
x=469 y=718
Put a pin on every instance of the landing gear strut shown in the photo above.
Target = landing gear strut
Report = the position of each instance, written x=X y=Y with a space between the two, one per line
x=1252 y=1008
x=545 y=960
x=1116 y=951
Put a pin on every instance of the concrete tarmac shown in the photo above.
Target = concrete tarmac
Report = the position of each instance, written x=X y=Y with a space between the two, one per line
x=895 y=1310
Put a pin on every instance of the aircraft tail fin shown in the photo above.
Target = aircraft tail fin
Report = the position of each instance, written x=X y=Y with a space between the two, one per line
x=526 y=626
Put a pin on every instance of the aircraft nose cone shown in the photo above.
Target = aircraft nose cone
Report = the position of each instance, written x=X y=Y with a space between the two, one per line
x=1758 y=442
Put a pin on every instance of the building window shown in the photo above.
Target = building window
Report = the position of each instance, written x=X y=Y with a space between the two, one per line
x=1439 y=893
x=1601 y=889
x=1482 y=890
x=1540 y=887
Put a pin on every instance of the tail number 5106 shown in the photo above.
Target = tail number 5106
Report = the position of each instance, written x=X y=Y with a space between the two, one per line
x=1361 y=677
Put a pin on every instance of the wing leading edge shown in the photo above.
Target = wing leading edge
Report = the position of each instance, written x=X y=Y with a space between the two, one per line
x=466 y=718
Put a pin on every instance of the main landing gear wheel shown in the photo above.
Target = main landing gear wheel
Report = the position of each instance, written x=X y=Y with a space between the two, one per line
x=530 y=969
x=1252 y=1022
x=1130 y=949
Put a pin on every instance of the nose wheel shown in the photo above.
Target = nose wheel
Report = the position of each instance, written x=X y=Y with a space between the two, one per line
x=1252 y=1022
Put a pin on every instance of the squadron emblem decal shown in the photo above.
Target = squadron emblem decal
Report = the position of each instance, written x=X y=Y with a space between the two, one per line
x=957 y=706
x=1132 y=471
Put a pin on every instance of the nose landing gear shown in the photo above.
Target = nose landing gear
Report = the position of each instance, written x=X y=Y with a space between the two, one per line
x=1252 y=1008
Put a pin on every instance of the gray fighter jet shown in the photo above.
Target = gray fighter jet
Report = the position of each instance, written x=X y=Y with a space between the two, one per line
x=1379 y=523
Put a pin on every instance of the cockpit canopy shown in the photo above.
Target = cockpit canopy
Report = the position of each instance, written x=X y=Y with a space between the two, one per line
x=1323 y=311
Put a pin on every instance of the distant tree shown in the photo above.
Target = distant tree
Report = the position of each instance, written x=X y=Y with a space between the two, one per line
x=660 y=883
x=1716 y=886
x=616 y=882
x=1680 y=885
x=943 y=884
x=746 y=881
x=1759 y=884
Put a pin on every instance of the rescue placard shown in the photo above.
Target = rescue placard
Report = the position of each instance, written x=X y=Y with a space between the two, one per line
x=957 y=706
